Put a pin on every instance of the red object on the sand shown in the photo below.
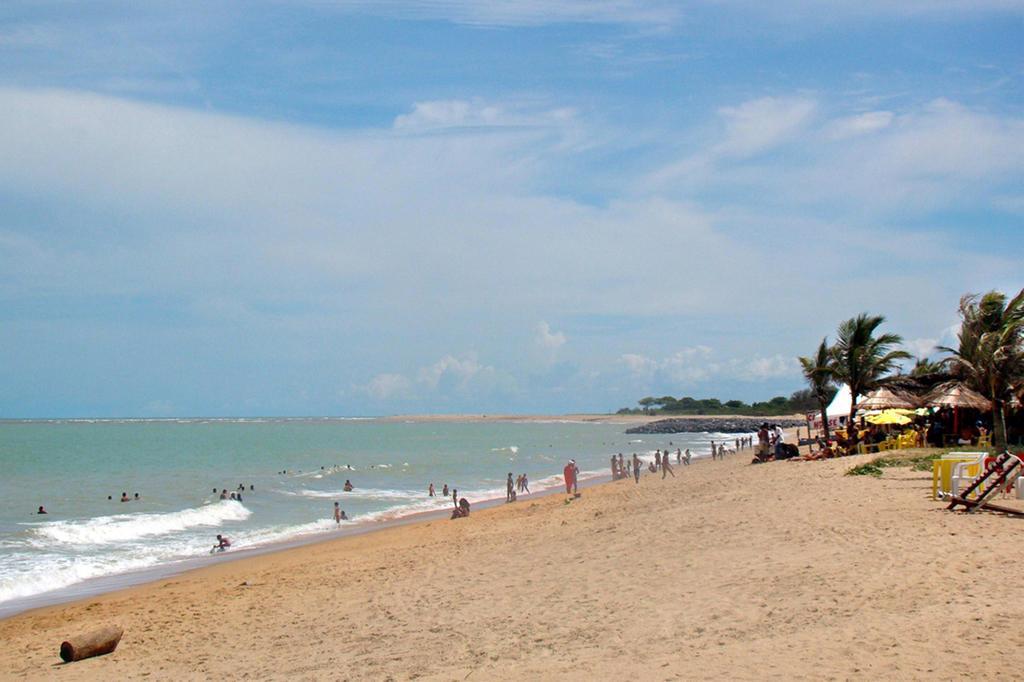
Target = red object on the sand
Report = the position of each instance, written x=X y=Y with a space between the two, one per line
x=569 y=472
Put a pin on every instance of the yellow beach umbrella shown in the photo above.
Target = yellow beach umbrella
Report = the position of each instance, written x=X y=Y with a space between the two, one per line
x=888 y=417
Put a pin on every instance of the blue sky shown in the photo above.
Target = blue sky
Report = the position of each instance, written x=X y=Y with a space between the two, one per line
x=451 y=206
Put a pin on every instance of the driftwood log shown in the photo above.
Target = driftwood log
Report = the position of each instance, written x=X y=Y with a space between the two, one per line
x=95 y=643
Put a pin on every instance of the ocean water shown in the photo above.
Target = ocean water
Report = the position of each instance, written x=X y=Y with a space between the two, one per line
x=72 y=466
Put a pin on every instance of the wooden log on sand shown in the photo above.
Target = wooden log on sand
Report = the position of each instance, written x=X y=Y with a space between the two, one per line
x=95 y=643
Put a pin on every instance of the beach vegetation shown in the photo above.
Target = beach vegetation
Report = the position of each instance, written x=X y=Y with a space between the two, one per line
x=989 y=357
x=916 y=460
x=799 y=402
x=866 y=469
x=863 y=360
x=819 y=371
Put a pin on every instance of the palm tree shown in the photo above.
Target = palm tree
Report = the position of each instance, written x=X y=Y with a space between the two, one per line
x=924 y=367
x=861 y=360
x=819 y=371
x=990 y=355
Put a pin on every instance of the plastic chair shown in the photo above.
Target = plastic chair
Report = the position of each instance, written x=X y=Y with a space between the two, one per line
x=963 y=474
x=942 y=469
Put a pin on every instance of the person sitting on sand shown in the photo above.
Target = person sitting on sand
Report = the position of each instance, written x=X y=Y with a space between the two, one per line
x=222 y=543
x=824 y=453
x=348 y=486
x=461 y=510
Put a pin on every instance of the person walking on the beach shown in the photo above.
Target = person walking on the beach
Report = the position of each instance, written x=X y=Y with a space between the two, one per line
x=526 y=484
x=666 y=467
x=623 y=471
x=337 y=514
x=679 y=456
x=510 y=488
x=686 y=457
x=575 y=478
x=636 y=468
x=455 y=496
x=657 y=459
x=569 y=474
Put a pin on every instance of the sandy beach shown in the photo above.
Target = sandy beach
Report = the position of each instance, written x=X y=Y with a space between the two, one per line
x=726 y=571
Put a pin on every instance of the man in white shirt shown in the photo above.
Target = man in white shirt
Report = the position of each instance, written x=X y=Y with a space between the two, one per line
x=780 y=438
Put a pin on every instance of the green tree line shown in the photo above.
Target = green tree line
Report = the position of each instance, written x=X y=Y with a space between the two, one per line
x=800 y=401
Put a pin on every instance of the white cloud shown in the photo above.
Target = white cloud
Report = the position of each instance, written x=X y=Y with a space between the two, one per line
x=775 y=366
x=639 y=365
x=299 y=234
x=761 y=124
x=444 y=114
x=547 y=339
x=388 y=386
x=450 y=369
x=919 y=159
x=687 y=365
x=524 y=12
x=449 y=375
x=699 y=365
x=921 y=348
x=860 y=124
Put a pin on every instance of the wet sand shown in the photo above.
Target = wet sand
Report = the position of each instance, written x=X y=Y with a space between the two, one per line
x=726 y=571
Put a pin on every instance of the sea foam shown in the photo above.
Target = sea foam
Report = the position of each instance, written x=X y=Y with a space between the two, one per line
x=104 y=530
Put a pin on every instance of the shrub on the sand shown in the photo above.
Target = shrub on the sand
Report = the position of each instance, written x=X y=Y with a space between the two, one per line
x=869 y=469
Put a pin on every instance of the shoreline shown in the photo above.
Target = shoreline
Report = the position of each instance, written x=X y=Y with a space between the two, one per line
x=107 y=584
x=782 y=570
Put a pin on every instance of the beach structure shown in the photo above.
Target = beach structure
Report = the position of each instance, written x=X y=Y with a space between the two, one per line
x=957 y=396
x=885 y=398
x=839 y=408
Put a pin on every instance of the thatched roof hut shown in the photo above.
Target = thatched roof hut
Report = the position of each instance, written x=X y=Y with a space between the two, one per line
x=956 y=394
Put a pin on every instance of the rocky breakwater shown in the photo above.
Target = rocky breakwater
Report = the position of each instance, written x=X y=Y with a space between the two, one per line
x=713 y=424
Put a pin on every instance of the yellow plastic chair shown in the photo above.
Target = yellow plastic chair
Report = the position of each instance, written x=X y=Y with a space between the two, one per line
x=942 y=470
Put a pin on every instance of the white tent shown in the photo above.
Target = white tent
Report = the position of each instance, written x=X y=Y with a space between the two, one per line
x=841 y=404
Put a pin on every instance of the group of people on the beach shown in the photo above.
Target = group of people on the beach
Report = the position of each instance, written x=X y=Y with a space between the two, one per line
x=621 y=468
x=235 y=494
x=771 y=444
x=521 y=485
